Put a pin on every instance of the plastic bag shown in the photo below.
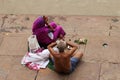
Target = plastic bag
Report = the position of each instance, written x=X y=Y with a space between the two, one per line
x=33 y=44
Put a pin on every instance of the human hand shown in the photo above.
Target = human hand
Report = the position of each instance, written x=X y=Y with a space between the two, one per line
x=45 y=19
x=60 y=40
x=62 y=37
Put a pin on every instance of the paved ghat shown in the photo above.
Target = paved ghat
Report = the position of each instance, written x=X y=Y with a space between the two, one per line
x=101 y=59
x=61 y=7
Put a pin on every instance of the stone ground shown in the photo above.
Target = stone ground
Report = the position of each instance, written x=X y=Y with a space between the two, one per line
x=100 y=62
x=61 y=7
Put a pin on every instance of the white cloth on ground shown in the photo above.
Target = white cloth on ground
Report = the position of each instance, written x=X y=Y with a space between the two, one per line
x=38 y=60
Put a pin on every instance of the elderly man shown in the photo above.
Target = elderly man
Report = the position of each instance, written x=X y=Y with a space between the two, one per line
x=66 y=60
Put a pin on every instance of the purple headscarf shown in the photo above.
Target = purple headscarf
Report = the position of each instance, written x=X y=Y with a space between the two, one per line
x=41 y=31
x=39 y=22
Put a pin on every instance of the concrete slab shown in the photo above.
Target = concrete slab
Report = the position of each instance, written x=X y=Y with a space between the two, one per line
x=86 y=71
x=1 y=39
x=14 y=45
x=111 y=52
x=115 y=33
x=24 y=35
x=85 y=25
x=1 y=6
x=5 y=66
x=84 y=22
x=67 y=7
x=95 y=51
x=47 y=74
x=88 y=32
x=19 y=23
x=19 y=72
x=110 y=71
x=3 y=52
x=0 y=20
x=14 y=52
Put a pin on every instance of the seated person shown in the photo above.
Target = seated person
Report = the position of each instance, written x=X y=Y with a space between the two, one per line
x=64 y=61
x=41 y=29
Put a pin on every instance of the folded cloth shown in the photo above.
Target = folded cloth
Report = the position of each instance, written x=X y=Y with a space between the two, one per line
x=37 y=60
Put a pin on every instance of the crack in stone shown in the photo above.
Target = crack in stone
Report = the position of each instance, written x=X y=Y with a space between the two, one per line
x=114 y=63
x=1 y=41
x=115 y=20
x=2 y=25
x=36 y=75
x=99 y=72
x=3 y=21
x=110 y=28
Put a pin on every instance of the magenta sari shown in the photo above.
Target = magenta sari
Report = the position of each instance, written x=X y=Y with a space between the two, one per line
x=41 y=31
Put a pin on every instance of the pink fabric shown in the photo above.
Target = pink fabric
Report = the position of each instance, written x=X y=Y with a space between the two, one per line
x=37 y=60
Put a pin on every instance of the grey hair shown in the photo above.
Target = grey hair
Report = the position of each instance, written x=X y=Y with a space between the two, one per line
x=61 y=46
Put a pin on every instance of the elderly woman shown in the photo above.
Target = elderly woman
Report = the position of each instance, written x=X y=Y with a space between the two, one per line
x=43 y=30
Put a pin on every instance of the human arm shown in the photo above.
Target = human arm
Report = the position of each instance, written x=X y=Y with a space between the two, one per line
x=46 y=22
x=50 y=48
x=73 y=49
x=51 y=28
